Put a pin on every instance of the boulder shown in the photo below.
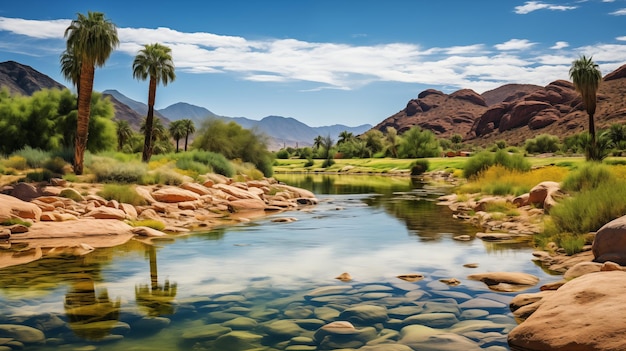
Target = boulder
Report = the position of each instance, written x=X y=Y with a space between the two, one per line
x=585 y=314
x=521 y=114
x=22 y=333
x=12 y=207
x=365 y=314
x=610 y=242
x=544 y=118
x=236 y=192
x=25 y=191
x=196 y=188
x=106 y=213
x=506 y=281
x=490 y=119
x=174 y=194
x=617 y=74
x=544 y=194
x=246 y=205
x=469 y=95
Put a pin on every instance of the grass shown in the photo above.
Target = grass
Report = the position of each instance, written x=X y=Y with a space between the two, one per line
x=150 y=223
x=503 y=207
x=13 y=221
x=498 y=180
x=122 y=193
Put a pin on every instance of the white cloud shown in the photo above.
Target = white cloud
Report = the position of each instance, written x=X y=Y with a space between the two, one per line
x=620 y=12
x=514 y=44
x=531 y=6
x=560 y=45
x=332 y=65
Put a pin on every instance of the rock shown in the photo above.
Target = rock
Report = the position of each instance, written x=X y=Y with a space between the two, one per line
x=241 y=323
x=17 y=229
x=469 y=95
x=196 y=188
x=151 y=324
x=433 y=320
x=462 y=238
x=250 y=204
x=582 y=268
x=148 y=232
x=174 y=194
x=365 y=314
x=205 y=332
x=586 y=314
x=610 y=242
x=71 y=193
x=5 y=234
x=25 y=191
x=106 y=213
x=617 y=74
x=414 y=277
x=283 y=329
x=236 y=192
x=506 y=281
x=24 y=334
x=544 y=194
x=521 y=200
x=11 y=207
x=344 y=277
x=238 y=341
x=521 y=113
x=544 y=118
x=423 y=338
x=144 y=192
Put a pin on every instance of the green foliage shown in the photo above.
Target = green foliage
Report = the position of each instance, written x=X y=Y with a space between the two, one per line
x=419 y=167
x=544 y=143
x=165 y=176
x=12 y=221
x=71 y=194
x=39 y=176
x=590 y=209
x=16 y=162
x=418 y=143
x=122 y=193
x=328 y=162
x=483 y=160
x=309 y=162
x=588 y=177
x=235 y=142
x=282 y=154
x=34 y=157
x=150 y=223
x=55 y=165
x=108 y=170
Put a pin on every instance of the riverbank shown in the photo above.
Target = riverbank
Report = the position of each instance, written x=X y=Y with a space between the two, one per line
x=71 y=218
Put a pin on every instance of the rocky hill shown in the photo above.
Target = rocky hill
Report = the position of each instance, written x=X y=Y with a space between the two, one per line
x=513 y=112
x=24 y=80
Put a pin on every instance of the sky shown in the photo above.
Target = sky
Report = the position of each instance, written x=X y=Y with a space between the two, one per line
x=325 y=62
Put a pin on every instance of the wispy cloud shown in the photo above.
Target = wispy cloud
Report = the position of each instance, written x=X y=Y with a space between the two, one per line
x=331 y=65
x=531 y=6
x=560 y=45
x=515 y=44
x=620 y=12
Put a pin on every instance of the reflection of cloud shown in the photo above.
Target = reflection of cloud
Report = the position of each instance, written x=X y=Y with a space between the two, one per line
x=328 y=65
x=531 y=6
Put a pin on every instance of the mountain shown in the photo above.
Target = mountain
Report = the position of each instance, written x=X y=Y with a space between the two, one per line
x=508 y=92
x=183 y=110
x=139 y=107
x=24 y=80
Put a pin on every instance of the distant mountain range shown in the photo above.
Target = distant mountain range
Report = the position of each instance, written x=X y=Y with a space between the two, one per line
x=512 y=112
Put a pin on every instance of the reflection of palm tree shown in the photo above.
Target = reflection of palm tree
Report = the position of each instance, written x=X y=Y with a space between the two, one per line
x=91 y=316
x=156 y=299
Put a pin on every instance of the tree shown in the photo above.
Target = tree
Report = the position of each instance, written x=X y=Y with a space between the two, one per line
x=70 y=67
x=190 y=128
x=91 y=39
x=317 y=142
x=124 y=133
x=392 y=141
x=177 y=131
x=586 y=77
x=418 y=143
x=345 y=136
x=153 y=62
x=160 y=142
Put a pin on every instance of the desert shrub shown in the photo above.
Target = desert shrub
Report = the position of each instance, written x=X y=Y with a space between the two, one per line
x=16 y=162
x=328 y=162
x=498 y=180
x=588 y=177
x=590 y=209
x=34 y=157
x=572 y=244
x=419 y=167
x=39 y=176
x=543 y=143
x=217 y=162
x=150 y=223
x=484 y=159
x=122 y=193
x=108 y=170
x=282 y=154
x=188 y=164
x=55 y=165
x=309 y=162
x=166 y=176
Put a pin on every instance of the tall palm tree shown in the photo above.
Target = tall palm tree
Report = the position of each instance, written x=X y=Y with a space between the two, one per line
x=70 y=67
x=154 y=61
x=317 y=142
x=586 y=77
x=91 y=39
x=124 y=133
x=344 y=137
x=177 y=131
x=190 y=128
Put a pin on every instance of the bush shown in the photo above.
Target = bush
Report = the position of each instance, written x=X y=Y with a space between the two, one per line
x=13 y=221
x=164 y=176
x=150 y=223
x=16 y=162
x=108 y=170
x=34 y=157
x=309 y=162
x=39 y=176
x=543 y=143
x=282 y=154
x=122 y=194
x=328 y=162
x=588 y=177
x=483 y=160
x=55 y=165
x=419 y=167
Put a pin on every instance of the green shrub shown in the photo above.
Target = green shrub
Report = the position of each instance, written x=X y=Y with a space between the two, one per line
x=484 y=159
x=218 y=163
x=543 y=143
x=309 y=162
x=590 y=209
x=122 y=193
x=282 y=154
x=34 y=157
x=164 y=176
x=572 y=244
x=588 y=177
x=419 y=167
x=16 y=162
x=188 y=164
x=150 y=223
x=39 y=176
x=108 y=170
x=55 y=165
x=328 y=162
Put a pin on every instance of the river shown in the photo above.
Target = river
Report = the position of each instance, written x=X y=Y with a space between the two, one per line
x=269 y=284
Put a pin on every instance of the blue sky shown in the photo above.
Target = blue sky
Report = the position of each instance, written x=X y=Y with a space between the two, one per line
x=326 y=62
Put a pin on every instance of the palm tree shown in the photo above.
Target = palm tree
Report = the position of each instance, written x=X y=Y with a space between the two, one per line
x=156 y=299
x=70 y=67
x=317 y=142
x=586 y=77
x=177 y=131
x=124 y=133
x=91 y=39
x=154 y=61
x=344 y=137
x=190 y=128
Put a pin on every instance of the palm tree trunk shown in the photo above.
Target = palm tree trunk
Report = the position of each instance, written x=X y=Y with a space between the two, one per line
x=147 y=144
x=177 y=140
x=84 y=110
x=186 y=140
x=592 y=129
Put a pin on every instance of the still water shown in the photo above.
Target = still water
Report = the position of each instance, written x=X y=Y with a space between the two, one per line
x=270 y=285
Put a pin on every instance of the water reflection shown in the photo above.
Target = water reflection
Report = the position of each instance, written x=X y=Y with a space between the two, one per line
x=154 y=298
